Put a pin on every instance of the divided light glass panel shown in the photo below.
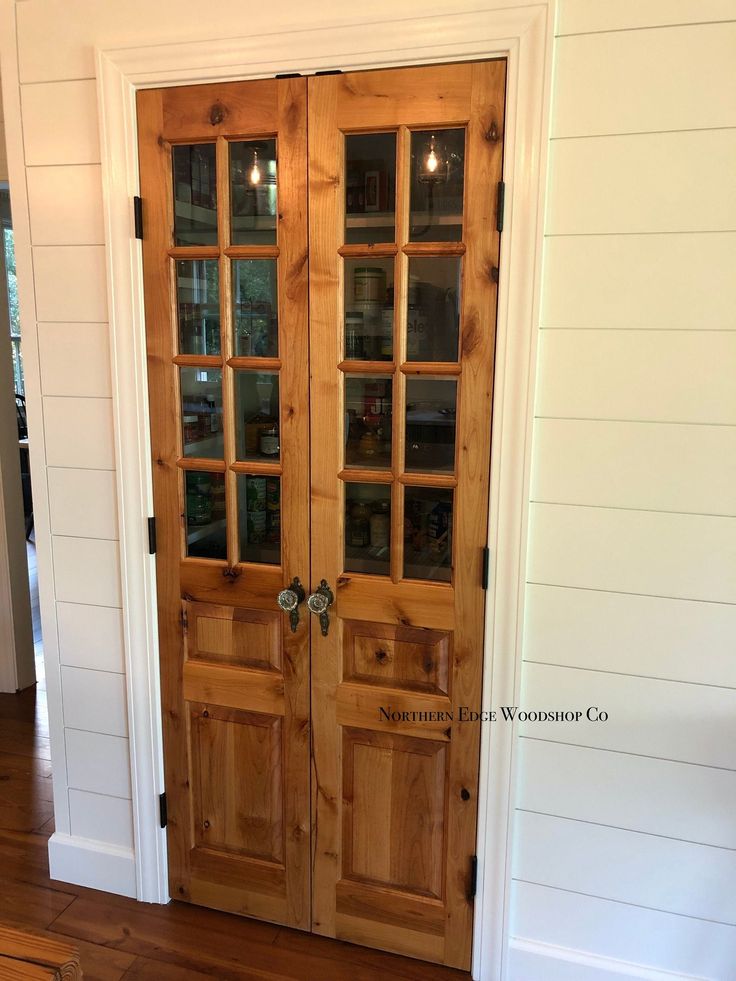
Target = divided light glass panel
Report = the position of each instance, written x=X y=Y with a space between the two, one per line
x=437 y=185
x=369 y=309
x=368 y=422
x=370 y=188
x=198 y=306
x=368 y=528
x=204 y=495
x=195 y=194
x=201 y=412
x=428 y=513
x=433 y=309
x=431 y=408
x=253 y=192
x=255 y=308
x=257 y=423
x=259 y=518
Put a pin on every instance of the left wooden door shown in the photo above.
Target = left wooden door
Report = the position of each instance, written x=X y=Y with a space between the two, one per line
x=224 y=185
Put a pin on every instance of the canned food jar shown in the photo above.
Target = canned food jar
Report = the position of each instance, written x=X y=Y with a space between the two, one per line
x=370 y=283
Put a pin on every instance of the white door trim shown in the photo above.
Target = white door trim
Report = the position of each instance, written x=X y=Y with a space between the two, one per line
x=523 y=34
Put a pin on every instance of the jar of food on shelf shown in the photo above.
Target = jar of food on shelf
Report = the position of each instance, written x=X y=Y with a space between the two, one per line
x=269 y=441
x=359 y=527
x=273 y=510
x=386 y=340
x=190 y=425
x=199 y=500
x=369 y=444
x=255 y=494
x=369 y=283
x=380 y=522
x=353 y=335
x=218 y=500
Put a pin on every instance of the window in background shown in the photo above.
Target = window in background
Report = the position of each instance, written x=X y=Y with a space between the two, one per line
x=12 y=284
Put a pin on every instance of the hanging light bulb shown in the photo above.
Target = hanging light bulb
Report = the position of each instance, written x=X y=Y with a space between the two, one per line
x=433 y=165
x=255 y=171
x=432 y=161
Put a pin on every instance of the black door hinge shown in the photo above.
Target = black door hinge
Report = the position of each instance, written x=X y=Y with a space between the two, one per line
x=485 y=567
x=151 y=536
x=330 y=71
x=138 y=216
x=162 y=810
x=500 y=201
x=473 y=884
x=289 y=75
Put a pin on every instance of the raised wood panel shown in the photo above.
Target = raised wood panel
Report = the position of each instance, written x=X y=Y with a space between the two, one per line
x=97 y=763
x=60 y=123
x=393 y=811
x=654 y=796
x=424 y=715
x=75 y=359
x=410 y=604
x=87 y=570
x=235 y=637
x=659 y=873
x=682 y=556
x=83 y=503
x=646 y=717
x=582 y=16
x=627 y=634
x=65 y=205
x=70 y=282
x=583 y=277
x=65 y=419
x=397 y=657
x=259 y=691
x=653 y=466
x=94 y=700
x=644 y=376
x=90 y=636
x=654 y=92
x=649 y=937
x=642 y=183
x=238 y=772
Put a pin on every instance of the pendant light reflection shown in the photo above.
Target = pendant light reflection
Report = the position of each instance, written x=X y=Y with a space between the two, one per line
x=434 y=167
x=255 y=171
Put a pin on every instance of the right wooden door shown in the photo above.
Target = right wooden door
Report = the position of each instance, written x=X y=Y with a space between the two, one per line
x=404 y=166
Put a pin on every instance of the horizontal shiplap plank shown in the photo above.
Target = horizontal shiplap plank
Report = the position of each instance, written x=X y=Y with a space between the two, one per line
x=640 y=635
x=659 y=182
x=635 y=465
x=87 y=570
x=683 y=78
x=91 y=636
x=83 y=503
x=70 y=283
x=654 y=796
x=94 y=701
x=98 y=763
x=65 y=205
x=60 y=122
x=580 y=16
x=682 y=556
x=101 y=818
x=659 y=873
x=75 y=359
x=643 y=376
x=652 y=281
x=79 y=433
x=664 y=941
x=646 y=717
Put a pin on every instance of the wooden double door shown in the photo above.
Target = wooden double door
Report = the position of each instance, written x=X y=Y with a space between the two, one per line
x=320 y=260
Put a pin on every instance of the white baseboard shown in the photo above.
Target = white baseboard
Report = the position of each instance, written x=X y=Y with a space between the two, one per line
x=530 y=960
x=94 y=864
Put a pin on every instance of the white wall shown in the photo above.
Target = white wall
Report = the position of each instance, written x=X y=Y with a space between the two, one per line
x=624 y=838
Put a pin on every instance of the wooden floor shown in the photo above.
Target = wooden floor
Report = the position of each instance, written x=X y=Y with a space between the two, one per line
x=120 y=938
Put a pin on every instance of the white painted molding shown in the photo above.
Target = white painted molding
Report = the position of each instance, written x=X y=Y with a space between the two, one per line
x=523 y=34
x=93 y=864
x=530 y=960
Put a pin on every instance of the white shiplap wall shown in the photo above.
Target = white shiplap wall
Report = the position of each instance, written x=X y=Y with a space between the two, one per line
x=624 y=843
x=625 y=833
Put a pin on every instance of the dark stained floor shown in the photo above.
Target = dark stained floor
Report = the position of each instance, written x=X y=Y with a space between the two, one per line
x=119 y=938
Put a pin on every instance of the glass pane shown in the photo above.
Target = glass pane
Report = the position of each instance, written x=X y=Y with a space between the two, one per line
x=368 y=422
x=201 y=412
x=257 y=415
x=198 y=301
x=430 y=424
x=259 y=517
x=370 y=188
x=369 y=309
x=195 y=194
x=255 y=308
x=433 y=314
x=368 y=528
x=428 y=533
x=437 y=171
x=253 y=192
x=205 y=515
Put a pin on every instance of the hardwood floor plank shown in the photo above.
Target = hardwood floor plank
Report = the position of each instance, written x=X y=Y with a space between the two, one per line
x=31 y=906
